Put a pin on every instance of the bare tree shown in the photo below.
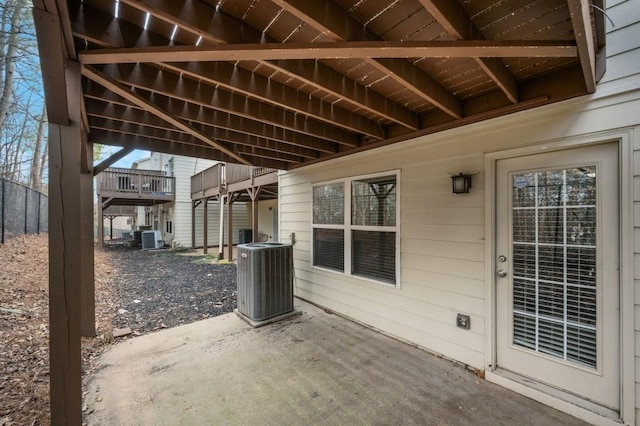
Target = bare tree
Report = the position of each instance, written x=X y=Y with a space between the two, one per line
x=10 y=57
x=35 y=180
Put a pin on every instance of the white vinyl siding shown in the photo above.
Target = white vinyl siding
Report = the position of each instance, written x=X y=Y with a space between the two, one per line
x=442 y=239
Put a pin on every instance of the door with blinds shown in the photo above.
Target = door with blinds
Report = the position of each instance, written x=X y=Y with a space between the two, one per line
x=557 y=278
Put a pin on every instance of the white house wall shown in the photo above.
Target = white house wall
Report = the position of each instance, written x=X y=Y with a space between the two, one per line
x=442 y=246
x=265 y=218
x=241 y=220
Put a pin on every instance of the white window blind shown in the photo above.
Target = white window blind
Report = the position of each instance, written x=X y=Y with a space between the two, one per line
x=554 y=232
x=355 y=227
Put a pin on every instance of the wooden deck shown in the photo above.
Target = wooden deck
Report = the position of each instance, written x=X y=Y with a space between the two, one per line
x=131 y=187
x=237 y=179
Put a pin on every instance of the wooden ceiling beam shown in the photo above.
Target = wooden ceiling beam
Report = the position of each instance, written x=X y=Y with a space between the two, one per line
x=198 y=151
x=260 y=88
x=218 y=28
x=581 y=22
x=333 y=50
x=133 y=116
x=104 y=164
x=328 y=18
x=207 y=116
x=457 y=23
x=231 y=77
x=109 y=83
x=140 y=129
x=167 y=83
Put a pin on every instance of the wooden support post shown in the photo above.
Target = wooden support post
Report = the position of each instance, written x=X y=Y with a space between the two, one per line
x=230 y=225
x=100 y=223
x=205 y=225
x=221 y=228
x=193 y=225
x=254 y=193
x=64 y=251
x=87 y=293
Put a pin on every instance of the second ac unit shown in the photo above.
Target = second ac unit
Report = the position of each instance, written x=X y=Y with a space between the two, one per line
x=151 y=240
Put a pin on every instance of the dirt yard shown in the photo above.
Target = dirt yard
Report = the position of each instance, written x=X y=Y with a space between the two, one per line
x=144 y=291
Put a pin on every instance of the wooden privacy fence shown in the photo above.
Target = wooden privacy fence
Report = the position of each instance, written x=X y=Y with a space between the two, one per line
x=22 y=210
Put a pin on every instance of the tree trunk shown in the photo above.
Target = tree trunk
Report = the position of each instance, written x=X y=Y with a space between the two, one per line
x=35 y=180
x=10 y=61
x=43 y=163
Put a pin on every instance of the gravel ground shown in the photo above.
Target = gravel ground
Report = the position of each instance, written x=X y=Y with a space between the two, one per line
x=161 y=289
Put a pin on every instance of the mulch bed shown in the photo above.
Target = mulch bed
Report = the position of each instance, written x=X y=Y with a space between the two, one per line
x=160 y=289
x=152 y=290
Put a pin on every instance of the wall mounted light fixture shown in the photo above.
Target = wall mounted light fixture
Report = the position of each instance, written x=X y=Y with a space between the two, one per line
x=461 y=183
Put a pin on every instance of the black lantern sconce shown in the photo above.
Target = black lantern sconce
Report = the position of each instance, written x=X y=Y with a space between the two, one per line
x=461 y=183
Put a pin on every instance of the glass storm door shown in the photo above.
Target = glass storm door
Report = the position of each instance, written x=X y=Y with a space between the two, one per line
x=557 y=281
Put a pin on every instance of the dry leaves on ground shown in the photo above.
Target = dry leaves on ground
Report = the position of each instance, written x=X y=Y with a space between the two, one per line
x=24 y=327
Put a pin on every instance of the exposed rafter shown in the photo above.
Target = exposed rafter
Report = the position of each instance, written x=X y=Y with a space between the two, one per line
x=100 y=99
x=218 y=28
x=455 y=21
x=114 y=86
x=229 y=76
x=329 y=19
x=107 y=162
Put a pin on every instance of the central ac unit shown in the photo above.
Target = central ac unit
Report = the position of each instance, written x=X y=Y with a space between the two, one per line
x=151 y=240
x=265 y=280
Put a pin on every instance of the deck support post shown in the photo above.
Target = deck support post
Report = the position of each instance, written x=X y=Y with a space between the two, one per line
x=193 y=225
x=230 y=200
x=205 y=225
x=87 y=291
x=65 y=248
x=253 y=194
x=100 y=222
x=221 y=229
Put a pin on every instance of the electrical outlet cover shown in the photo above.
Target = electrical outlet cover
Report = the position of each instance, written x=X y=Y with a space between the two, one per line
x=463 y=321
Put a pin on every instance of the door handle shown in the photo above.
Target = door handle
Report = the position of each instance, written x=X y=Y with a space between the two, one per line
x=501 y=273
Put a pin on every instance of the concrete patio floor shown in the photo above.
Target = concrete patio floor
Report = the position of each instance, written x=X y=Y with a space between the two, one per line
x=316 y=368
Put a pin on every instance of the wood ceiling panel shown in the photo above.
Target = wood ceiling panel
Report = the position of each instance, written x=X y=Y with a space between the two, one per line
x=419 y=25
x=392 y=15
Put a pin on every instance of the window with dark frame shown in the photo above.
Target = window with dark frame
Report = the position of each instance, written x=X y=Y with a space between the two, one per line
x=355 y=227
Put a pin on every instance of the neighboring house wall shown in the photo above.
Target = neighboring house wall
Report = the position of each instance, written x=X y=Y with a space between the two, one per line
x=443 y=263
x=268 y=219
x=120 y=223
x=241 y=220
x=179 y=213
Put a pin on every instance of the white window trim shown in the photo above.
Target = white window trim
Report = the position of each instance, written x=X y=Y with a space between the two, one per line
x=348 y=228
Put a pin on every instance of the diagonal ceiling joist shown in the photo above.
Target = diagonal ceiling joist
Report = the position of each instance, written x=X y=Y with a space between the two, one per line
x=117 y=113
x=230 y=77
x=218 y=28
x=114 y=86
x=175 y=136
x=329 y=19
x=217 y=119
x=456 y=22
x=165 y=82
x=144 y=142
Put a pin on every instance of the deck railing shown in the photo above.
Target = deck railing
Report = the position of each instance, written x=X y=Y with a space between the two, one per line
x=207 y=179
x=219 y=175
x=135 y=181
